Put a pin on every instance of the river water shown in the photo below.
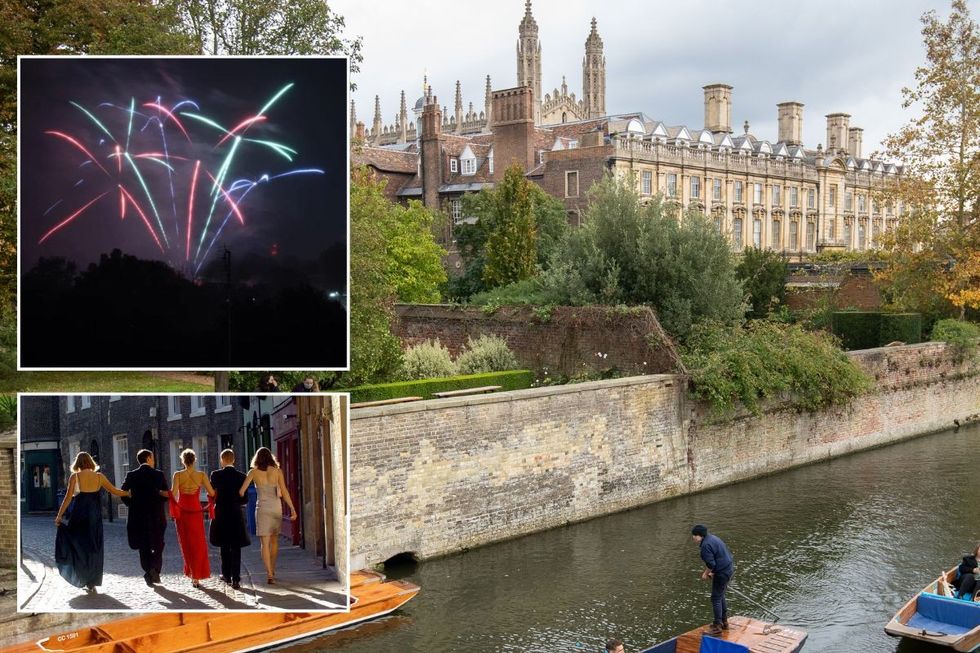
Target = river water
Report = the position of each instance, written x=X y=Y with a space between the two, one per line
x=834 y=548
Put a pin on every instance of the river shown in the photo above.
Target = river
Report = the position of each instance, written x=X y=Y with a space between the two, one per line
x=834 y=548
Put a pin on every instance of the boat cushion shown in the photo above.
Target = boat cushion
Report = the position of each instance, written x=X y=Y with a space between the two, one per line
x=945 y=614
x=711 y=644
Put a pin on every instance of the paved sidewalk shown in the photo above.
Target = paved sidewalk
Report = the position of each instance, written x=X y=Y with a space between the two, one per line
x=301 y=583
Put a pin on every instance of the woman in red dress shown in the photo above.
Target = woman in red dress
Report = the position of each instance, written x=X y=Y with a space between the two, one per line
x=189 y=517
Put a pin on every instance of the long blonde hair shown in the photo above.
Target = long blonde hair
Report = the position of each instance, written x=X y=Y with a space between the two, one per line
x=83 y=460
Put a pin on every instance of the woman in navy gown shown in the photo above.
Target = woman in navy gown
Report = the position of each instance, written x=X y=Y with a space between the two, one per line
x=78 y=545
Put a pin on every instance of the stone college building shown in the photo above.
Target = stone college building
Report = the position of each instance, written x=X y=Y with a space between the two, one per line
x=778 y=194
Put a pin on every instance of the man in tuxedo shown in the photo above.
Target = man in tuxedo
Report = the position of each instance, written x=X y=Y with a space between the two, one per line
x=147 y=521
x=228 y=526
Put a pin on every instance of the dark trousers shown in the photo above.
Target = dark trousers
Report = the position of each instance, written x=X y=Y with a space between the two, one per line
x=967 y=584
x=151 y=560
x=719 y=583
x=231 y=562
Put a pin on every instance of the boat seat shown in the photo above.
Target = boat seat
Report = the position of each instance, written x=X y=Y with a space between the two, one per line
x=711 y=644
x=943 y=614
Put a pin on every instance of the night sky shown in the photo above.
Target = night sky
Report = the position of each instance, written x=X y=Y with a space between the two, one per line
x=294 y=218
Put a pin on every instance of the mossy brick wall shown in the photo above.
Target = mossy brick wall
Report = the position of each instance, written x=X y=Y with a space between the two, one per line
x=567 y=340
x=437 y=477
x=8 y=501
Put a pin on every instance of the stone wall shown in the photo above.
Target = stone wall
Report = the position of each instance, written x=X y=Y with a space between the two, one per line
x=569 y=340
x=8 y=499
x=436 y=477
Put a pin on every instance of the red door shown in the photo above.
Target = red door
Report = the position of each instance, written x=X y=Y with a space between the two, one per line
x=288 y=453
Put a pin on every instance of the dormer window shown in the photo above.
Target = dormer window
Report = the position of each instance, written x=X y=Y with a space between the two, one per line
x=468 y=166
x=490 y=162
x=453 y=164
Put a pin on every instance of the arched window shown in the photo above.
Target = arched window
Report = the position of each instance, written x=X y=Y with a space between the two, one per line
x=564 y=116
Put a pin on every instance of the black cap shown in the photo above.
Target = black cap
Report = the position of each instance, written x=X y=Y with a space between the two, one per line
x=700 y=529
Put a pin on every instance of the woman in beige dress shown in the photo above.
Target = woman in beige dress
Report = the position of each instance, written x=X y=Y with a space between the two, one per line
x=270 y=484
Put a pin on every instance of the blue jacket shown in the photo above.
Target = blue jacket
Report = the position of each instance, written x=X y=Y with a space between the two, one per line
x=716 y=555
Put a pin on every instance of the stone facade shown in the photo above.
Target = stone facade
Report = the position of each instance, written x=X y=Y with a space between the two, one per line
x=569 y=340
x=436 y=477
x=775 y=194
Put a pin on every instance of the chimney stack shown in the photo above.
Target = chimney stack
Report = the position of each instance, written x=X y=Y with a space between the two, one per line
x=431 y=153
x=790 y=116
x=837 y=132
x=513 y=126
x=718 y=108
x=854 y=137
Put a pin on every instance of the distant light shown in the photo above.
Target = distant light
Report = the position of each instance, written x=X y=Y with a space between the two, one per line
x=334 y=294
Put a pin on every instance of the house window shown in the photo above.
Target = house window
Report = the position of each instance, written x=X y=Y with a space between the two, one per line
x=453 y=164
x=757 y=193
x=69 y=403
x=811 y=231
x=120 y=457
x=197 y=406
x=862 y=203
x=173 y=408
x=811 y=198
x=875 y=233
x=718 y=223
x=671 y=184
x=716 y=189
x=696 y=187
x=794 y=234
x=830 y=229
x=776 y=234
x=456 y=210
x=571 y=183
x=176 y=446
x=201 y=449
x=86 y=401
x=777 y=195
x=757 y=232
x=875 y=207
x=832 y=197
x=647 y=182
x=222 y=404
x=848 y=201
x=738 y=191
x=490 y=163
x=469 y=166
x=889 y=207
x=847 y=234
x=794 y=196
x=861 y=236
x=737 y=232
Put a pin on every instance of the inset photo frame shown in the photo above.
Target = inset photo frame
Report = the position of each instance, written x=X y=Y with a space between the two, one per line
x=183 y=213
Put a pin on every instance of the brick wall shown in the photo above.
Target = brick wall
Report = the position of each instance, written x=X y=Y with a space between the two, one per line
x=440 y=476
x=847 y=290
x=591 y=163
x=8 y=500
x=566 y=341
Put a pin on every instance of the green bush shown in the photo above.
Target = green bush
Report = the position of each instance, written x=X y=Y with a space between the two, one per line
x=8 y=411
x=512 y=380
x=857 y=329
x=427 y=360
x=763 y=275
x=902 y=327
x=961 y=336
x=769 y=360
x=488 y=353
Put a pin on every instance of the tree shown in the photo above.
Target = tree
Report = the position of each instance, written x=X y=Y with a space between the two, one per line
x=628 y=252
x=763 y=276
x=931 y=265
x=267 y=27
x=511 y=252
x=487 y=207
x=413 y=259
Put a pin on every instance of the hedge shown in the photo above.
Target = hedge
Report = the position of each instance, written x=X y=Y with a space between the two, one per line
x=511 y=380
x=903 y=327
x=857 y=329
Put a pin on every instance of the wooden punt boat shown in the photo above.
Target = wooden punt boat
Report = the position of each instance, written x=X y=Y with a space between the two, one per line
x=935 y=615
x=225 y=632
x=744 y=635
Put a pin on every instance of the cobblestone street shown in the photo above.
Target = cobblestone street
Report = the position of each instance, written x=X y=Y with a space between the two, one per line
x=301 y=583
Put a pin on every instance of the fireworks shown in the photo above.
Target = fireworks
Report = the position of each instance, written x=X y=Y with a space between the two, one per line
x=145 y=164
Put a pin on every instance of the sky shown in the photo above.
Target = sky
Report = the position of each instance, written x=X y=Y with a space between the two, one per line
x=296 y=216
x=831 y=55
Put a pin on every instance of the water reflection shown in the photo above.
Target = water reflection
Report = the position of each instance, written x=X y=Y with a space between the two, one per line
x=834 y=548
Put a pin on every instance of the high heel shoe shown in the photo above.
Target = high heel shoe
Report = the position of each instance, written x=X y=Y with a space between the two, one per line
x=271 y=580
